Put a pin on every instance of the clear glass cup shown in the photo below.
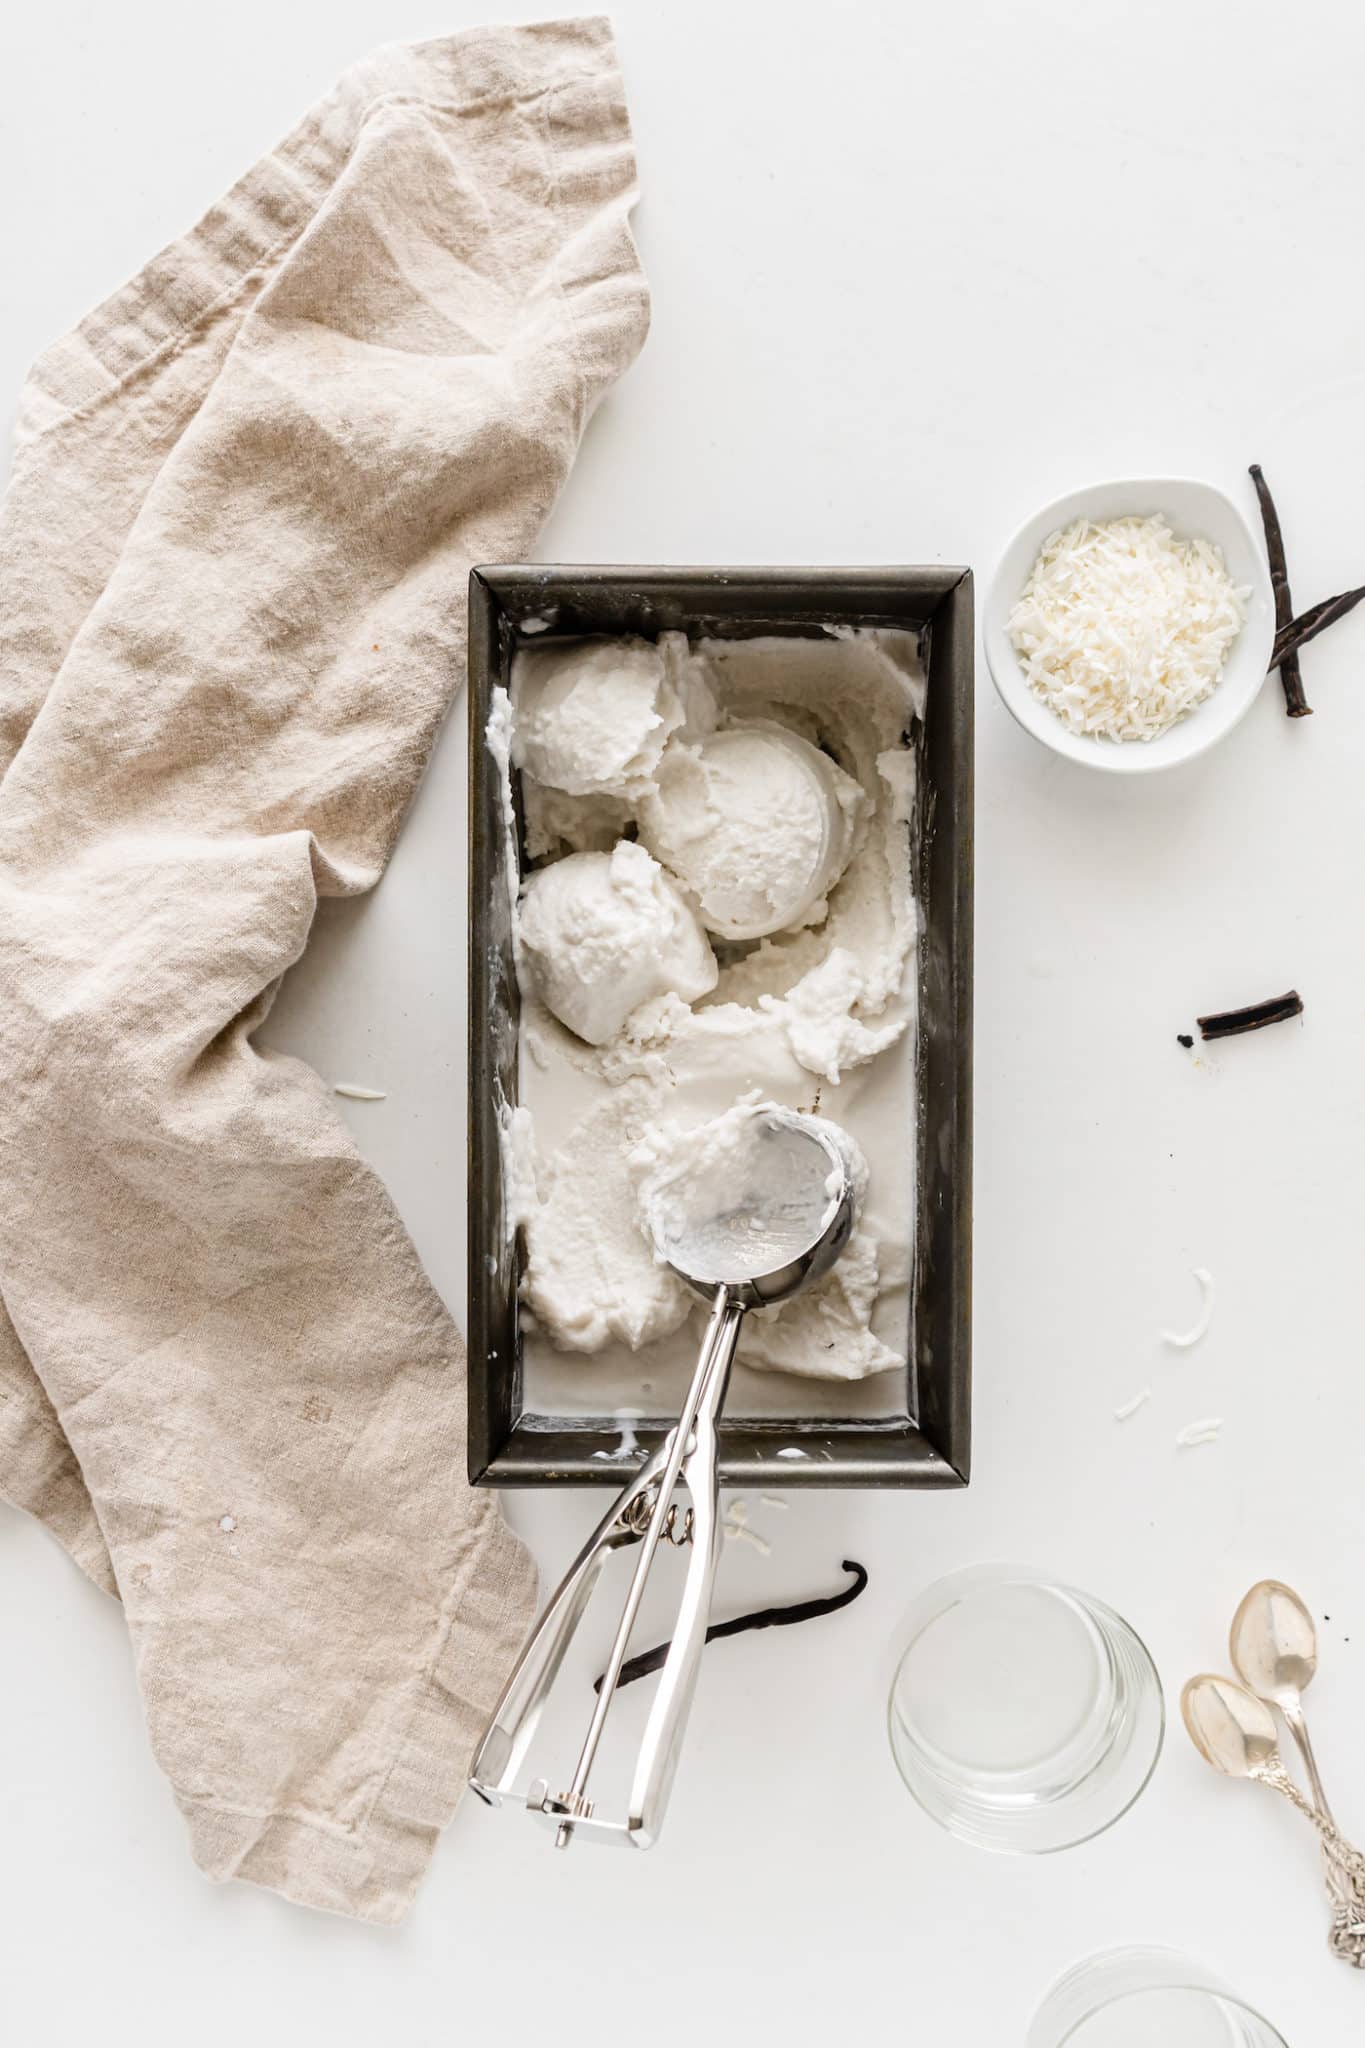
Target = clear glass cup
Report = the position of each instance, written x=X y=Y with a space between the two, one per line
x=1135 y=1997
x=1025 y=1716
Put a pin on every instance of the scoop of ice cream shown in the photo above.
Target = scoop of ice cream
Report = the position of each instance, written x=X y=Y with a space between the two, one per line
x=593 y=720
x=601 y=933
x=756 y=822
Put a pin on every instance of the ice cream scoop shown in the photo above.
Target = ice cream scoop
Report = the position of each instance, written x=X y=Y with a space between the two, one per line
x=756 y=823
x=600 y=933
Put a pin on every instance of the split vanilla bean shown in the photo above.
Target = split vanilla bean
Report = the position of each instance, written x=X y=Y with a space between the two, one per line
x=1296 y=705
x=1275 y=1010
x=764 y=1617
x=1289 y=639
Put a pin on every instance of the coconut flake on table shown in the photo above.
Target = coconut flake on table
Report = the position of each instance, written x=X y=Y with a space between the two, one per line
x=1184 y=1340
x=1206 y=1432
x=1123 y=628
x=736 y=1524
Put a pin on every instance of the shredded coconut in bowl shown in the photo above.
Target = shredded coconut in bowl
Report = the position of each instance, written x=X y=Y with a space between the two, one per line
x=1123 y=628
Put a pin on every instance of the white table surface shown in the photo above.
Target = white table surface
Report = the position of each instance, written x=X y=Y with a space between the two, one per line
x=915 y=271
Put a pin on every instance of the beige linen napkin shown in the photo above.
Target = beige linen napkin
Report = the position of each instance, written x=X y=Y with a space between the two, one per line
x=247 y=494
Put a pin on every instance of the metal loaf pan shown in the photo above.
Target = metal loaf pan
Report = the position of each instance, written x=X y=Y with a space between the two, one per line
x=930 y=1444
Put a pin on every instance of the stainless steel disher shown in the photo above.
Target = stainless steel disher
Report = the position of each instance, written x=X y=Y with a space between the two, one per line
x=782 y=1219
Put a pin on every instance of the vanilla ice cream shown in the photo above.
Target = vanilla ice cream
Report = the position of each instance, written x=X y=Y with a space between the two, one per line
x=756 y=822
x=760 y=788
x=602 y=933
x=594 y=720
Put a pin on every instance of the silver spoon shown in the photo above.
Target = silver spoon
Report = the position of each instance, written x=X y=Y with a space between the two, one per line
x=1235 y=1732
x=1274 y=1648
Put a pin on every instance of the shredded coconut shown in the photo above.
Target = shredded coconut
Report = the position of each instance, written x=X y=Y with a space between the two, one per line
x=1205 y=1432
x=355 y=1093
x=1182 y=1340
x=1130 y=1408
x=1122 y=628
x=736 y=1524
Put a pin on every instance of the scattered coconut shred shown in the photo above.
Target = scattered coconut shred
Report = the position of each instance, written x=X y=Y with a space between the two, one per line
x=1206 y=1432
x=1184 y=1340
x=1122 y=628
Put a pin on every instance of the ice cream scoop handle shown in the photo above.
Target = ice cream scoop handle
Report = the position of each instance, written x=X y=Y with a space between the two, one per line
x=661 y=1743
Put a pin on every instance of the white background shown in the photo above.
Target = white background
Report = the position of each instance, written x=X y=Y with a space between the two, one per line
x=915 y=271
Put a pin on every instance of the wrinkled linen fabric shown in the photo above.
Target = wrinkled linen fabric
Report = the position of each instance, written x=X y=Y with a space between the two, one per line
x=233 y=558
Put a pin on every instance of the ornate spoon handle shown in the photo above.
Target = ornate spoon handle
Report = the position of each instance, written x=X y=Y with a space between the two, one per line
x=1346 y=1869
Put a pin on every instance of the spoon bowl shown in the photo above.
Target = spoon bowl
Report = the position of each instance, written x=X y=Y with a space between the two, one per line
x=1229 y=1726
x=1273 y=1642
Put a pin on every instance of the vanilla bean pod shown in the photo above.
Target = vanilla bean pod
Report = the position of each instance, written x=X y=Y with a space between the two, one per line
x=1296 y=705
x=1289 y=639
x=1275 y=1010
x=764 y=1617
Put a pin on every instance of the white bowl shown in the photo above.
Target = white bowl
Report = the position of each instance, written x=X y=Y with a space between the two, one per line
x=1192 y=508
